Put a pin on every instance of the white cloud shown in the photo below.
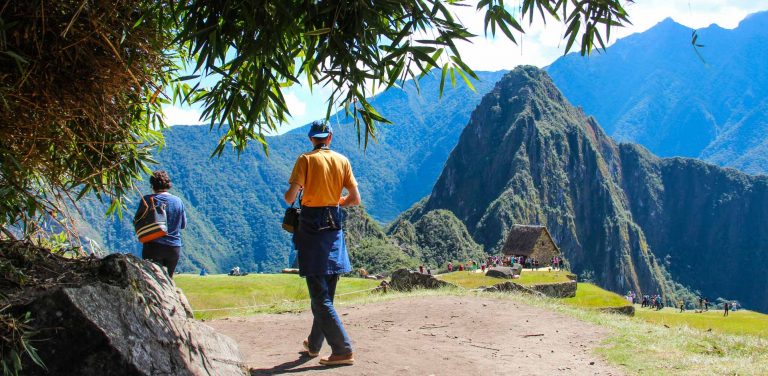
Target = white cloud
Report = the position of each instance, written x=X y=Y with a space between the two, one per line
x=182 y=116
x=296 y=106
x=542 y=44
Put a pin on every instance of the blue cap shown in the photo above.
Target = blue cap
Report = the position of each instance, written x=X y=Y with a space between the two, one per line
x=320 y=130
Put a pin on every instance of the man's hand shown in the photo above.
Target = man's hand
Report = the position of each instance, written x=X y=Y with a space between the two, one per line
x=292 y=193
x=352 y=199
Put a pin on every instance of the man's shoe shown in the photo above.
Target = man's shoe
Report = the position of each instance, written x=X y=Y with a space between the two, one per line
x=309 y=352
x=338 y=360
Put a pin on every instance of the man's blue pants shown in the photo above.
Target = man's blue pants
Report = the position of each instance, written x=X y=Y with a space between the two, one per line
x=326 y=324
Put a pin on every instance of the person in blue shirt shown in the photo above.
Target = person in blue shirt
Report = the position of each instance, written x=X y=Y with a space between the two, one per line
x=165 y=251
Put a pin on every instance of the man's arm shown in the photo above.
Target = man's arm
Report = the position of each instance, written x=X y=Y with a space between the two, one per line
x=352 y=199
x=292 y=193
x=183 y=217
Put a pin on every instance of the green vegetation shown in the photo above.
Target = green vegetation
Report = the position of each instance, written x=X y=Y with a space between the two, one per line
x=591 y=296
x=646 y=348
x=436 y=238
x=472 y=280
x=263 y=293
x=741 y=322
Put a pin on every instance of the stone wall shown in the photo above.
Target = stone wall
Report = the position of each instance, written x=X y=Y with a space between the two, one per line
x=544 y=250
x=557 y=290
x=552 y=290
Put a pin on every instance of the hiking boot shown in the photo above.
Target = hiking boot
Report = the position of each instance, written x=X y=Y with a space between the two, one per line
x=337 y=360
x=308 y=351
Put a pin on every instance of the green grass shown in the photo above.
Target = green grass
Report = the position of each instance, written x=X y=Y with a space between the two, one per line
x=269 y=293
x=742 y=322
x=470 y=280
x=591 y=296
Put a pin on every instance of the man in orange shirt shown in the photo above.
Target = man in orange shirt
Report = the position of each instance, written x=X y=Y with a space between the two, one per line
x=320 y=176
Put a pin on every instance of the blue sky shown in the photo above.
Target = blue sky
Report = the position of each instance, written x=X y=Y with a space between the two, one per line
x=540 y=46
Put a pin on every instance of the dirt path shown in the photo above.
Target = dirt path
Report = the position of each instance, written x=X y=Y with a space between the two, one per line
x=429 y=336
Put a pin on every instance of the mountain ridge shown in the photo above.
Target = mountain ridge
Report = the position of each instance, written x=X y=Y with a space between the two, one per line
x=706 y=103
x=547 y=163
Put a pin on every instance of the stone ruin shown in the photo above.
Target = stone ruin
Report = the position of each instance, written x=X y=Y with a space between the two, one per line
x=407 y=280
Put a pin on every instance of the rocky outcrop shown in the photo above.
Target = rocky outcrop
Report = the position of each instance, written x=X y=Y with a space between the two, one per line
x=552 y=290
x=512 y=287
x=406 y=280
x=505 y=272
x=557 y=290
x=625 y=310
x=128 y=319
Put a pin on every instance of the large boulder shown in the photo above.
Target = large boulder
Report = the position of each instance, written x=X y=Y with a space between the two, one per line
x=506 y=272
x=125 y=318
x=406 y=280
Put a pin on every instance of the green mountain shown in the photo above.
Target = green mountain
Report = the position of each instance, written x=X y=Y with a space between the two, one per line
x=435 y=237
x=654 y=89
x=235 y=202
x=629 y=219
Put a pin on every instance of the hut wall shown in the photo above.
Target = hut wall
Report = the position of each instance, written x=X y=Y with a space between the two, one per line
x=544 y=250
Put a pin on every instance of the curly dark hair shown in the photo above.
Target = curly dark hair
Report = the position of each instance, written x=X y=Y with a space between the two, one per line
x=160 y=180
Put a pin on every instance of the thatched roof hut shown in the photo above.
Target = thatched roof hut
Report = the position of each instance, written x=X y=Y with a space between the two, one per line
x=530 y=241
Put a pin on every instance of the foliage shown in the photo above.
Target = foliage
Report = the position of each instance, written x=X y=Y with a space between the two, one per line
x=380 y=256
x=256 y=48
x=15 y=343
x=369 y=247
x=436 y=238
x=79 y=102
x=26 y=267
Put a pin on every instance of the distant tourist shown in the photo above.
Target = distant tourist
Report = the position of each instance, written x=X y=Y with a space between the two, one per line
x=726 y=306
x=421 y=269
x=321 y=175
x=706 y=304
x=164 y=250
x=682 y=306
x=203 y=272
x=450 y=266
x=461 y=267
